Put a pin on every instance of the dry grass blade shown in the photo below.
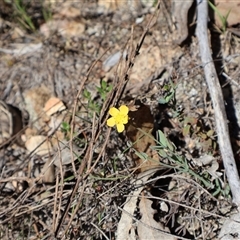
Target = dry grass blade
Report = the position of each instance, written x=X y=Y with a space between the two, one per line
x=82 y=182
x=83 y=164
x=123 y=70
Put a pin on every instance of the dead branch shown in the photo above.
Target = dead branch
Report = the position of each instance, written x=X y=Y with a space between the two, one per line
x=217 y=101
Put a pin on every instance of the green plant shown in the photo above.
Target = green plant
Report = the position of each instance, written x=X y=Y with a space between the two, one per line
x=92 y=104
x=169 y=98
x=65 y=127
x=169 y=94
x=223 y=19
x=223 y=189
x=104 y=89
x=22 y=9
x=23 y=16
x=47 y=14
x=168 y=151
x=171 y=159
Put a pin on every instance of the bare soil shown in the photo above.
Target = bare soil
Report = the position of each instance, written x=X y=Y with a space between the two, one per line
x=84 y=198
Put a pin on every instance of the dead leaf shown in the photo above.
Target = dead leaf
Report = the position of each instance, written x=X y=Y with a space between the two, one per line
x=39 y=145
x=113 y=60
x=28 y=133
x=147 y=227
x=48 y=172
x=54 y=105
x=125 y=228
x=138 y=130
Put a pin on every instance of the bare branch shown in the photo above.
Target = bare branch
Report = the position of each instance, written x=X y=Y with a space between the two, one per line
x=217 y=101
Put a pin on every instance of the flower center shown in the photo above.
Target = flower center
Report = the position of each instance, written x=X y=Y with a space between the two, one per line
x=120 y=118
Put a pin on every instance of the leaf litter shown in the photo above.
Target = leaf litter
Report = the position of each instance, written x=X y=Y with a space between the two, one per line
x=88 y=197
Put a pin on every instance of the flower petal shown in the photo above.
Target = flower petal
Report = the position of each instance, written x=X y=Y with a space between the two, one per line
x=120 y=127
x=125 y=119
x=113 y=111
x=111 y=122
x=124 y=110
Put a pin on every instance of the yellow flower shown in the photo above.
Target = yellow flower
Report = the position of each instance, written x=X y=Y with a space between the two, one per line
x=119 y=117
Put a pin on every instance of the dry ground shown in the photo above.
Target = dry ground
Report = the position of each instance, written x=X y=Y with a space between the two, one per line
x=69 y=55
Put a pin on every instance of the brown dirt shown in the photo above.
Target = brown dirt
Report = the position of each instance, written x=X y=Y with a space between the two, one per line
x=84 y=200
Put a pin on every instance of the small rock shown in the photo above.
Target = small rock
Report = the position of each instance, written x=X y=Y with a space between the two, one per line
x=39 y=145
x=54 y=105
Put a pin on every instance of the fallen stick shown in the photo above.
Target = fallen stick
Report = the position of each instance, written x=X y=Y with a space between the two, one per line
x=217 y=101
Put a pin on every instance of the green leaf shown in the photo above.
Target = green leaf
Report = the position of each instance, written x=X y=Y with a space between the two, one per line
x=104 y=84
x=66 y=126
x=163 y=140
x=222 y=18
x=162 y=153
x=170 y=96
x=162 y=101
x=170 y=146
x=141 y=155
x=86 y=94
